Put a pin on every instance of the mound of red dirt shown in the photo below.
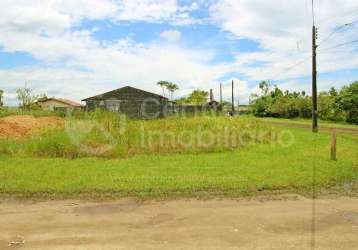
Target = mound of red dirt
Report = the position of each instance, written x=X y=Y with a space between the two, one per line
x=21 y=126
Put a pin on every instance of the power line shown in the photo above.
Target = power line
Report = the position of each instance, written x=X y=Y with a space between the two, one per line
x=300 y=62
x=337 y=29
x=354 y=12
x=338 y=45
x=290 y=68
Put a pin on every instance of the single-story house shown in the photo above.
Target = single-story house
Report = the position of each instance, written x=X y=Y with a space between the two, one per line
x=53 y=104
x=133 y=102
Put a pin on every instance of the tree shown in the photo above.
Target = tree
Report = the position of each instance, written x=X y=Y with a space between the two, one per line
x=259 y=106
x=197 y=97
x=163 y=85
x=333 y=92
x=27 y=99
x=1 y=97
x=24 y=95
x=325 y=106
x=172 y=87
x=304 y=105
x=265 y=87
x=347 y=100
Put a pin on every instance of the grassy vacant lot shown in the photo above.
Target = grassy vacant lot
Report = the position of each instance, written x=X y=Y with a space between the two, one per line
x=105 y=134
x=241 y=171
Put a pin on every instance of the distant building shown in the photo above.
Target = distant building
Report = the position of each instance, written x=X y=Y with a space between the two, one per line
x=133 y=102
x=54 y=104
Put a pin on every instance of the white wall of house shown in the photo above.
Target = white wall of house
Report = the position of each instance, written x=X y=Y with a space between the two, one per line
x=52 y=104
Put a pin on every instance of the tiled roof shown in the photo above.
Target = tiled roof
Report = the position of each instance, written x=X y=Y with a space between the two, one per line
x=65 y=101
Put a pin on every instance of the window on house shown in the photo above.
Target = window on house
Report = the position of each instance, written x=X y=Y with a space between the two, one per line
x=113 y=105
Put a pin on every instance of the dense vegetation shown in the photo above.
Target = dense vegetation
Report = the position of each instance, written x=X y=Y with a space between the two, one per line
x=332 y=105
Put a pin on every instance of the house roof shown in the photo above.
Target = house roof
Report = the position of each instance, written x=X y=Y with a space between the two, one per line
x=62 y=100
x=124 y=88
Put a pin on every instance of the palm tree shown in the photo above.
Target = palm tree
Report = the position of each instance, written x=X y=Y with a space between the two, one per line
x=172 y=87
x=163 y=85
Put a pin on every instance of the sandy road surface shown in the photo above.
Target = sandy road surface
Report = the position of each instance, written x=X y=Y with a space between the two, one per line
x=181 y=224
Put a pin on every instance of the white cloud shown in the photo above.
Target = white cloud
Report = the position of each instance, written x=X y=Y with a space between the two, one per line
x=147 y=10
x=283 y=31
x=77 y=65
x=58 y=15
x=112 y=66
x=170 y=11
x=171 y=35
x=51 y=17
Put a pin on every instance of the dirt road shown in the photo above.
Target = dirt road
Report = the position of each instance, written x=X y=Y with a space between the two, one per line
x=184 y=224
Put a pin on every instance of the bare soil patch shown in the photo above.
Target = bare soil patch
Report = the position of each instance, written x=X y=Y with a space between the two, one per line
x=179 y=224
x=22 y=126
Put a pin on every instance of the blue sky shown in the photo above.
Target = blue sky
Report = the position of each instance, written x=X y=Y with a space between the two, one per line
x=79 y=48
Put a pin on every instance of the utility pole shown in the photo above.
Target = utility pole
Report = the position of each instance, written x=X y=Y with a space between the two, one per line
x=232 y=97
x=238 y=100
x=314 y=81
x=221 y=94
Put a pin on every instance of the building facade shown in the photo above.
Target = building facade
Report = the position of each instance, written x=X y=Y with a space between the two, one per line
x=133 y=102
x=55 y=104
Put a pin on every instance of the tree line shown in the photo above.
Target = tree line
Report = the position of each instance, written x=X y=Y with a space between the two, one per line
x=334 y=105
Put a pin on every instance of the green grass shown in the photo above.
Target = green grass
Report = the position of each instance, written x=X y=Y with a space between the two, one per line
x=105 y=134
x=7 y=111
x=324 y=123
x=244 y=171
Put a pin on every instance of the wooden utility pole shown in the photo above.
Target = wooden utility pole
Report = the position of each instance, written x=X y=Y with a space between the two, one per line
x=314 y=81
x=238 y=100
x=232 y=98
x=334 y=145
x=221 y=94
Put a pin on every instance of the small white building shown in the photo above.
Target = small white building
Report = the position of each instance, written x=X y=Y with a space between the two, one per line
x=53 y=104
